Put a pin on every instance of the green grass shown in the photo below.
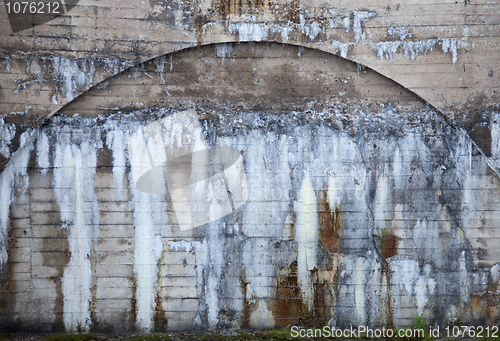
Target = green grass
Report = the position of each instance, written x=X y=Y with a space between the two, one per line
x=496 y=338
x=71 y=337
x=274 y=334
x=149 y=337
x=278 y=334
x=4 y=336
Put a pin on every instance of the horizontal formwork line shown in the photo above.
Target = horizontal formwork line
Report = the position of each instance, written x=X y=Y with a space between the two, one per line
x=452 y=19
x=116 y=41
x=193 y=43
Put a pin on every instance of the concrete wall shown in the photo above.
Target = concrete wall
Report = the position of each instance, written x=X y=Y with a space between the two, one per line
x=344 y=197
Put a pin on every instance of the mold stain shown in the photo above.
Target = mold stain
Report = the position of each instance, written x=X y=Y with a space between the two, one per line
x=329 y=223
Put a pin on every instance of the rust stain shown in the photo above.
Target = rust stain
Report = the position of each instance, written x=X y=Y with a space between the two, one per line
x=238 y=7
x=321 y=298
x=159 y=319
x=291 y=11
x=289 y=308
x=133 y=302
x=388 y=243
x=492 y=316
x=389 y=320
x=492 y=300
x=329 y=223
x=476 y=305
x=245 y=319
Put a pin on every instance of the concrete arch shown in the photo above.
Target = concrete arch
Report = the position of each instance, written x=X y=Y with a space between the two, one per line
x=222 y=52
x=225 y=55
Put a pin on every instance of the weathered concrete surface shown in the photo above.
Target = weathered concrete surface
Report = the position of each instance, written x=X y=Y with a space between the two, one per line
x=365 y=205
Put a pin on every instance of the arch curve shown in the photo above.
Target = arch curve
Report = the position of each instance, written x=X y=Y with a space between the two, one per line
x=262 y=76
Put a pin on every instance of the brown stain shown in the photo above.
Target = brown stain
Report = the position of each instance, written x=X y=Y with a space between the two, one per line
x=492 y=300
x=93 y=289
x=238 y=7
x=291 y=11
x=159 y=318
x=484 y=305
x=493 y=285
x=133 y=284
x=289 y=308
x=133 y=302
x=331 y=288
x=330 y=223
x=320 y=299
x=245 y=319
x=388 y=243
x=389 y=319
x=492 y=316
x=476 y=304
